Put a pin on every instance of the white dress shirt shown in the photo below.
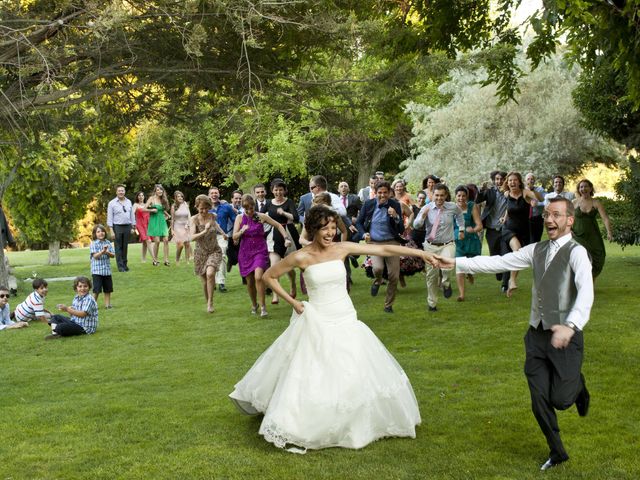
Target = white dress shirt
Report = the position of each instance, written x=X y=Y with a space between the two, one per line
x=523 y=258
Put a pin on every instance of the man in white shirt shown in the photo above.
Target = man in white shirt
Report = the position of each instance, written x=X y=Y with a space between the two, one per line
x=562 y=296
x=558 y=190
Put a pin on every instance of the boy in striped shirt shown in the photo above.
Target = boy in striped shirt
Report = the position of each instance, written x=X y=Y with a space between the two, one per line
x=83 y=311
x=33 y=306
x=102 y=252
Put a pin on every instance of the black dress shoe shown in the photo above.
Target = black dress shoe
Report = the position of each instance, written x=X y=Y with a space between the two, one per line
x=374 y=289
x=433 y=309
x=447 y=292
x=551 y=463
x=222 y=288
x=583 y=400
x=388 y=309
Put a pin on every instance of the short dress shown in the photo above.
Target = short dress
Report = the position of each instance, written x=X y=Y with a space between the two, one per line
x=207 y=252
x=142 y=224
x=157 y=223
x=276 y=243
x=517 y=224
x=180 y=232
x=253 y=252
x=470 y=245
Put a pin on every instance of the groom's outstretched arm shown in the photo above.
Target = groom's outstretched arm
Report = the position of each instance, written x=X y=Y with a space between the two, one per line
x=513 y=261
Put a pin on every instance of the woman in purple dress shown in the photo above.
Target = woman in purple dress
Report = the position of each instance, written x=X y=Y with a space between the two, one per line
x=253 y=256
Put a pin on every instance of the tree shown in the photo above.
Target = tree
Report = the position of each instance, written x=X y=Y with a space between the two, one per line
x=472 y=135
x=58 y=179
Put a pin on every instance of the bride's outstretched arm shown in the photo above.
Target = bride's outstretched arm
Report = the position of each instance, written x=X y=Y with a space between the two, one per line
x=274 y=272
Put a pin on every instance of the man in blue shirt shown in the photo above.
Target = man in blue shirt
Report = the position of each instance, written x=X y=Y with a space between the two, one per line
x=380 y=221
x=225 y=216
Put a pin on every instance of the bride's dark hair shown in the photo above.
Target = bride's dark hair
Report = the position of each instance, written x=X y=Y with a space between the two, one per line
x=317 y=217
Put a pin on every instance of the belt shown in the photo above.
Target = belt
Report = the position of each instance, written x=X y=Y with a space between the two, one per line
x=436 y=244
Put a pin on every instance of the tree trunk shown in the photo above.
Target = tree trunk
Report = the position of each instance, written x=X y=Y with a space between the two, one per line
x=4 y=272
x=54 y=252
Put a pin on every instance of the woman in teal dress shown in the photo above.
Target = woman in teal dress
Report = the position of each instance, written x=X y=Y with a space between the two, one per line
x=586 y=230
x=158 y=205
x=470 y=245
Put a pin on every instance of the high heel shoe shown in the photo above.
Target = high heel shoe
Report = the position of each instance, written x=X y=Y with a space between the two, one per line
x=156 y=263
x=166 y=264
x=263 y=312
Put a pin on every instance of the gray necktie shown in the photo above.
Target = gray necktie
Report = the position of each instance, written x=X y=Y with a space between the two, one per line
x=553 y=249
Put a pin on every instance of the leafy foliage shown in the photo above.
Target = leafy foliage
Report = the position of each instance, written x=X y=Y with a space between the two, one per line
x=473 y=135
x=58 y=178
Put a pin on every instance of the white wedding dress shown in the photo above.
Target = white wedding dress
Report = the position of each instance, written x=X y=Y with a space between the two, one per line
x=328 y=381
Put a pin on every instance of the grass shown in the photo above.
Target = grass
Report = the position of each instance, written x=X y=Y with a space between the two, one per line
x=146 y=396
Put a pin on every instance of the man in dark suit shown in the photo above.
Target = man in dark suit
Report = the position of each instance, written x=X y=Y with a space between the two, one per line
x=494 y=209
x=352 y=204
x=380 y=221
x=260 y=196
x=562 y=296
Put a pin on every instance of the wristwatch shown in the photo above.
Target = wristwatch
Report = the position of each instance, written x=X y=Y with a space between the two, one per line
x=572 y=326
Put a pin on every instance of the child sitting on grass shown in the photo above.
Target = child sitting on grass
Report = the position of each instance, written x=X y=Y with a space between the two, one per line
x=33 y=306
x=101 y=251
x=83 y=311
x=5 y=319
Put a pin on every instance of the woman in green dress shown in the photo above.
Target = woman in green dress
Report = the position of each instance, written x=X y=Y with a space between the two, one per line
x=470 y=245
x=586 y=230
x=158 y=205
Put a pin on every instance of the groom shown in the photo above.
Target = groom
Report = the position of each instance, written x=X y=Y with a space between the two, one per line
x=562 y=295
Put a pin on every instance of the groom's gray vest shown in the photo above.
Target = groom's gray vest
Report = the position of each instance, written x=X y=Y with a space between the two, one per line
x=554 y=289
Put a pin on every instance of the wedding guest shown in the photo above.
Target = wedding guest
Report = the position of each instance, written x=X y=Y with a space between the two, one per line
x=380 y=223
x=558 y=190
x=428 y=183
x=83 y=311
x=418 y=234
x=232 y=247
x=141 y=214
x=470 y=245
x=5 y=312
x=283 y=211
x=438 y=217
x=33 y=306
x=225 y=216
x=253 y=255
x=495 y=207
x=122 y=223
x=180 y=216
x=586 y=230
x=368 y=192
x=101 y=252
x=207 y=256
x=515 y=229
x=158 y=206
x=536 y=224
x=260 y=195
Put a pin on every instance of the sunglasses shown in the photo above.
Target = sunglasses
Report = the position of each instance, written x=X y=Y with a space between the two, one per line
x=4 y=295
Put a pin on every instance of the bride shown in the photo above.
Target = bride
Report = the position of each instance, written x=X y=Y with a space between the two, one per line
x=327 y=381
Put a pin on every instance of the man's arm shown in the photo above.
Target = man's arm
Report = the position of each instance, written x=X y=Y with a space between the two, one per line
x=581 y=266
x=513 y=261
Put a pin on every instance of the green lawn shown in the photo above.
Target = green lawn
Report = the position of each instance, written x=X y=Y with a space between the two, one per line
x=146 y=396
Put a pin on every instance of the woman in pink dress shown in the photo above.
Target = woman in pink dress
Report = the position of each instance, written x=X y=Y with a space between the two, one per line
x=142 y=221
x=180 y=216
x=253 y=255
